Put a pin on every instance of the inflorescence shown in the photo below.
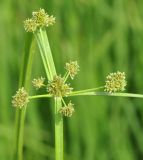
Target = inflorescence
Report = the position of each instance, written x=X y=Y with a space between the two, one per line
x=67 y=110
x=58 y=88
x=20 y=99
x=115 y=82
x=72 y=68
x=38 y=83
x=39 y=19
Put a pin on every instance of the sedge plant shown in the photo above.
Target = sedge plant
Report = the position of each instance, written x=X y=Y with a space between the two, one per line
x=58 y=87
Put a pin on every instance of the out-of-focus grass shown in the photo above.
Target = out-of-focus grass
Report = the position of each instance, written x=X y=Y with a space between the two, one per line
x=104 y=36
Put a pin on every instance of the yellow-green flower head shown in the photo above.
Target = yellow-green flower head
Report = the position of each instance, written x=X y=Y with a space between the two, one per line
x=39 y=19
x=30 y=25
x=68 y=110
x=58 y=87
x=20 y=99
x=72 y=68
x=115 y=82
x=38 y=83
x=42 y=19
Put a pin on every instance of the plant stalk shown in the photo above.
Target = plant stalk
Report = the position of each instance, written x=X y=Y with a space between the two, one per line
x=87 y=90
x=130 y=95
x=40 y=96
x=47 y=58
x=58 y=130
x=20 y=114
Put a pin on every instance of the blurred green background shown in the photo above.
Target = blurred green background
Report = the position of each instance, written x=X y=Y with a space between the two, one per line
x=103 y=36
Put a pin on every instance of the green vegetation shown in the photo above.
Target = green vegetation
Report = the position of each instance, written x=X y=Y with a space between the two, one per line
x=103 y=37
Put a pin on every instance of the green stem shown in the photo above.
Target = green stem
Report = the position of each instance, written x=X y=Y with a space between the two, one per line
x=50 y=69
x=21 y=134
x=66 y=76
x=109 y=94
x=58 y=130
x=20 y=114
x=63 y=102
x=37 y=37
x=86 y=90
x=40 y=96
x=46 y=53
x=47 y=56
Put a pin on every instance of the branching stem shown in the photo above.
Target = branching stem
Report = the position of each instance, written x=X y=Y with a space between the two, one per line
x=86 y=90
x=130 y=95
x=50 y=69
x=66 y=76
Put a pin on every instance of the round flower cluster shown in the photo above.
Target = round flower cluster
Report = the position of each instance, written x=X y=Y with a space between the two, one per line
x=72 y=68
x=20 y=99
x=30 y=25
x=39 y=19
x=58 y=88
x=115 y=82
x=38 y=83
x=68 y=110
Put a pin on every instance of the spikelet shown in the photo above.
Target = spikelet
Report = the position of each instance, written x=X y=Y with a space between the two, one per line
x=20 y=99
x=38 y=83
x=39 y=19
x=115 y=82
x=72 y=68
x=68 y=110
x=58 y=88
